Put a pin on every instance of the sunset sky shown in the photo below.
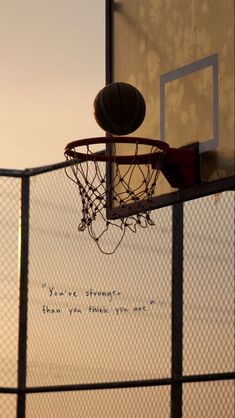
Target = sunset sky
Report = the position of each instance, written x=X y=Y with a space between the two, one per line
x=52 y=66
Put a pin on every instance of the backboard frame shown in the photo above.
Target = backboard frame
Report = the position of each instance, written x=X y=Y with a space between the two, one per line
x=178 y=73
x=183 y=195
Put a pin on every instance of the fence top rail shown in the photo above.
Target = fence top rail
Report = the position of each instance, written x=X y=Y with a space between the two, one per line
x=214 y=187
x=5 y=172
x=28 y=172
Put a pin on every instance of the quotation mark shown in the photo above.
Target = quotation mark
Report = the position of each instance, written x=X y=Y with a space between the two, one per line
x=44 y=285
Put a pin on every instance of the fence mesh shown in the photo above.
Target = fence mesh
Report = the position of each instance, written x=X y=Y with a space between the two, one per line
x=9 y=279
x=109 y=317
x=131 y=403
x=94 y=318
x=209 y=399
x=209 y=284
x=7 y=406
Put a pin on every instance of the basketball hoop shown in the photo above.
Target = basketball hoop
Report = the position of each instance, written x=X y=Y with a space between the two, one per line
x=99 y=189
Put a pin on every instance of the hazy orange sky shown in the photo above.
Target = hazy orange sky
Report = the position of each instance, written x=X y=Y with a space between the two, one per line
x=52 y=66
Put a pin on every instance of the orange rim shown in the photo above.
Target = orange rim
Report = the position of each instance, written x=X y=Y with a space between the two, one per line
x=71 y=149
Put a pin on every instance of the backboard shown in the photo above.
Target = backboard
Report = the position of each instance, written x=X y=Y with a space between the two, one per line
x=180 y=55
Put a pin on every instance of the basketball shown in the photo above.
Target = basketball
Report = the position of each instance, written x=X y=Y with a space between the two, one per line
x=119 y=108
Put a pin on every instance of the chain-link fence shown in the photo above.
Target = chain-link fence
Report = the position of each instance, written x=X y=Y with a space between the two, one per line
x=146 y=332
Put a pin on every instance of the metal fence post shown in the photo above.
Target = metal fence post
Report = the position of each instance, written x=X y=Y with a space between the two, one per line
x=177 y=310
x=23 y=303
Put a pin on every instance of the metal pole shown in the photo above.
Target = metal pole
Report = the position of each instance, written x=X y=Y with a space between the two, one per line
x=177 y=311
x=23 y=271
x=108 y=41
